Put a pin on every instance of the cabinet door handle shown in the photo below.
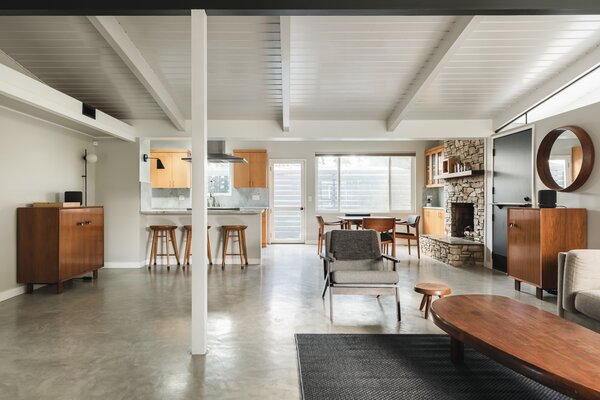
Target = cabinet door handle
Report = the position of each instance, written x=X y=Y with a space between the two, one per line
x=512 y=225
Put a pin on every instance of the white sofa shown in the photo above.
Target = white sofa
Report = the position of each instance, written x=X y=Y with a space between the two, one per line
x=579 y=287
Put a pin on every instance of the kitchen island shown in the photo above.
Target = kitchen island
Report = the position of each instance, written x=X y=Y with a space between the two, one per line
x=217 y=217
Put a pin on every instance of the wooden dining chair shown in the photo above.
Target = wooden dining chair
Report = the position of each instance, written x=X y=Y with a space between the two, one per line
x=322 y=224
x=412 y=221
x=386 y=226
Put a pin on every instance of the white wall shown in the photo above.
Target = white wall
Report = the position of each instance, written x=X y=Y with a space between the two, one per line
x=306 y=150
x=38 y=162
x=588 y=196
x=117 y=189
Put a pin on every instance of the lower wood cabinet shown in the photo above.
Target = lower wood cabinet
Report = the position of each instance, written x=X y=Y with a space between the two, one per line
x=434 y=221
x=536 y=236
x=55 y=245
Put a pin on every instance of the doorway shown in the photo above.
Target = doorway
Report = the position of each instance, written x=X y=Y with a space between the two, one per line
x=287 y=201
x=512 y=186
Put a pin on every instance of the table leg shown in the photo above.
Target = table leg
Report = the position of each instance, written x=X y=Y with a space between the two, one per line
x=457 y=351
x=427 y=306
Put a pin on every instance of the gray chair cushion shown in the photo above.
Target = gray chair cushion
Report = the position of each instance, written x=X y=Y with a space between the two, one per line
x=353 y=244
x=358 y=265
x=587 y=302
x=365 y=277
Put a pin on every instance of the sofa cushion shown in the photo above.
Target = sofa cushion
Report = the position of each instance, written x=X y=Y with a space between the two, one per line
x=587 y=302
x=364 y=277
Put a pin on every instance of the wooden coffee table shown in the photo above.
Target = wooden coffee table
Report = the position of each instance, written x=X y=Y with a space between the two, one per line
x=553 y=351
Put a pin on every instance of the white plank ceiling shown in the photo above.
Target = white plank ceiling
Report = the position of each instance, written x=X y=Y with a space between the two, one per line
x=342 y=68
x=504 y=58
x=69 y=54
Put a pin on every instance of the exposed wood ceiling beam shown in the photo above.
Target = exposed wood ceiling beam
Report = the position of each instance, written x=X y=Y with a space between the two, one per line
x=14 y=64
x=553 y=85
x=118 y=39
x=302 y=7
x=458 y=32
x=25 y=94
x=284 y=32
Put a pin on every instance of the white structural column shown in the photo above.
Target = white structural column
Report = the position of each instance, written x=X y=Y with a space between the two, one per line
x=199 y=215
x=433 y=66
x=285 y=41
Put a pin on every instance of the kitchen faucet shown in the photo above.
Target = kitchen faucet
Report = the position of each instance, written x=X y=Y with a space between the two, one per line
x=212 y=200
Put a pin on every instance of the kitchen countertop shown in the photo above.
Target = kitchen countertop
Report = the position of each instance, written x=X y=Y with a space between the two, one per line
x=241 y=211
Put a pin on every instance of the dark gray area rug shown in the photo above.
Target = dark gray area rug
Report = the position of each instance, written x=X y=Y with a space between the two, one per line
x=340 y=366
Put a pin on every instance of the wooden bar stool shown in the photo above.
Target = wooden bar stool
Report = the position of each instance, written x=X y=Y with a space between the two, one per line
x=239 y=232
x=188 y=245
x=167 y=234
x=428 y=290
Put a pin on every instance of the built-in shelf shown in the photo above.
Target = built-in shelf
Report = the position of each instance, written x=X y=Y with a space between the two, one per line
x=461 y=174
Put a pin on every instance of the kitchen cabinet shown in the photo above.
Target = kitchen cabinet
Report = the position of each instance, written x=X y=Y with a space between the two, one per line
x=434 y=158
x=252 y=174
x=177 y=172
x=434 y=221
x=57 y=244
x=536 y=236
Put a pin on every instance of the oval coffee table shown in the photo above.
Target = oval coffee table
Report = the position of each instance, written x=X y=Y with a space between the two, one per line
x=553 y=351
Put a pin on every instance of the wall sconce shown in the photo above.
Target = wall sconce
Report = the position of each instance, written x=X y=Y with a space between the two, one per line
x=87 y=158
x=159 y=164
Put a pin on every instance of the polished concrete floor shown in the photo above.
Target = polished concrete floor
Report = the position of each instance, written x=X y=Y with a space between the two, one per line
x=126 y=336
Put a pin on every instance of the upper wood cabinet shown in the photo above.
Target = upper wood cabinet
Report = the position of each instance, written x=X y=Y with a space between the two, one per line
x=252 y=174
x=177 y=173
x=434 y=158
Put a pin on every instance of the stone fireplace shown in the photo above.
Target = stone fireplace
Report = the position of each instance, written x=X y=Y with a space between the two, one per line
x=465 y=209
x=462 y=218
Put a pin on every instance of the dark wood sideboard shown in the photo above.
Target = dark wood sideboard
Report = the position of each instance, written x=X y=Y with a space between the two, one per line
x=536 y=236
x=56 y=244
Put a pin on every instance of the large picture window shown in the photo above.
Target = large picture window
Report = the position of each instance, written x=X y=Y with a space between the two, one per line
x=375 y=183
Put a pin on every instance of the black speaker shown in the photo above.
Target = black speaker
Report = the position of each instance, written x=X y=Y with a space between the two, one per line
x=74 y=197
x=547 y=198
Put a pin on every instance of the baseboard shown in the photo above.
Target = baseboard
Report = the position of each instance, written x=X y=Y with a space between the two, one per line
x=14 y=292
x=124 y=264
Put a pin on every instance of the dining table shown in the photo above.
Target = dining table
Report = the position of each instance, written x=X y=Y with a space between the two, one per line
x=355 y=220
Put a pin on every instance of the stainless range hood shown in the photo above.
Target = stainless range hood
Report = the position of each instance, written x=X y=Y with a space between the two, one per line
x=216 y=153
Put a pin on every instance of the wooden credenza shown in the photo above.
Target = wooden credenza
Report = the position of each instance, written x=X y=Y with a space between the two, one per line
x=536 y=236
x=55 y=245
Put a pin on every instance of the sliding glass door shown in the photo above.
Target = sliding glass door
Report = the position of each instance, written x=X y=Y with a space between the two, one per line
x=287 y=201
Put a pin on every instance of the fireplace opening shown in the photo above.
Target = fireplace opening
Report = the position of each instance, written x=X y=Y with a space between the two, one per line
x=462 y=217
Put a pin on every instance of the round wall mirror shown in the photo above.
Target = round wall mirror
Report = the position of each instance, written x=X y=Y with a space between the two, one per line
x=565 y=158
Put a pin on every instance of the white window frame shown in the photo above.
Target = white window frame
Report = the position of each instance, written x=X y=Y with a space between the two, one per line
x=413 y=194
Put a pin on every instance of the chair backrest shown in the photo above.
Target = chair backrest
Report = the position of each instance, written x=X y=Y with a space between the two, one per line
x=413 y=220
x=357 y=215
x=320 y=221
x=380 y=224
x=347 y=245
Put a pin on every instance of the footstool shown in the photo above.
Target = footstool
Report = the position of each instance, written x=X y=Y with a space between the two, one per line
x=428 y=290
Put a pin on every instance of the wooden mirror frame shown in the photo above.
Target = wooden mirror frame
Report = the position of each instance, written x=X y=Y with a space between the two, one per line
x=587 y=162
